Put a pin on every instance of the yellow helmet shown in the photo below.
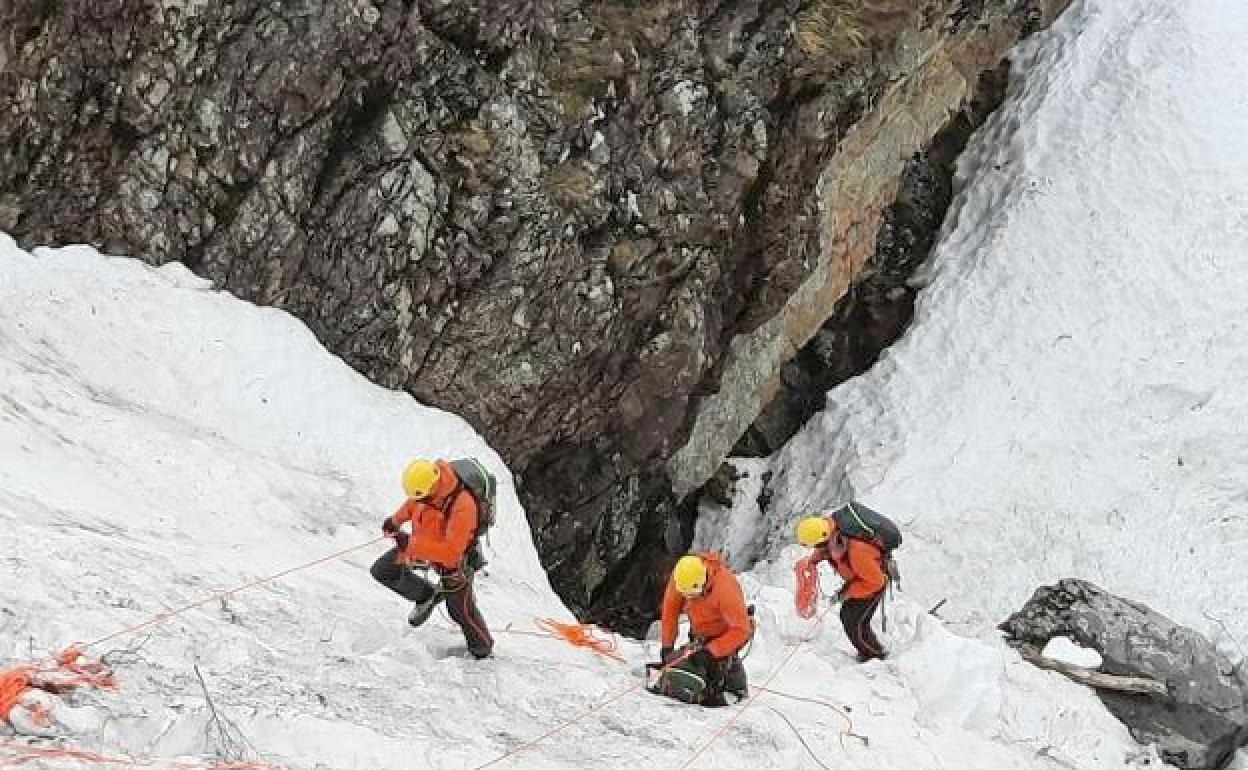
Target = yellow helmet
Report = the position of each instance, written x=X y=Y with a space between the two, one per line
x=813 y=531
x=689 y=575
x=420 y=477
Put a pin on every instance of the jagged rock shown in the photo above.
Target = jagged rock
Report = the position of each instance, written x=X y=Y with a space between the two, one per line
x=597 y=230
x=1205 y=717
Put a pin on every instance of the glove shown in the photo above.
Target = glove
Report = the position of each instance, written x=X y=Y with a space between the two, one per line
x=400 y=540
x=666 y=654
x=388 y=527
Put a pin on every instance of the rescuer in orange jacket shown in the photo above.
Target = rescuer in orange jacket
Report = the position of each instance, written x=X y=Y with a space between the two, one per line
x=443 y=518
x=707 y=592
x=860 y=564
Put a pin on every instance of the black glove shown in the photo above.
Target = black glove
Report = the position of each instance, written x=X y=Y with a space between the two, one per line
x=666 y=654
x=400 y=540
x=388 y=527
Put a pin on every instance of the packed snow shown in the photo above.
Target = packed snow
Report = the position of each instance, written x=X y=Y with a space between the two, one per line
x=160 y=441
x=1064 y=650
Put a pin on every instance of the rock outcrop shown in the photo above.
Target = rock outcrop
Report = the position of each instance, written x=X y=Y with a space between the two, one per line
x=1205 y=717
x=596 y=229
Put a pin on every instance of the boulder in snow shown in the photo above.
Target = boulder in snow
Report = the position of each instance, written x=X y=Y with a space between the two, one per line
x=1205 y=717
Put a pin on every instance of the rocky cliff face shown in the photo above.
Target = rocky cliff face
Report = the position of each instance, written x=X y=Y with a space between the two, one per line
x=595 y=229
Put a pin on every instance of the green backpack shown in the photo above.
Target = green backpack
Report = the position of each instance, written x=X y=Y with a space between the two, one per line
x=481 y=484
x=685 y=681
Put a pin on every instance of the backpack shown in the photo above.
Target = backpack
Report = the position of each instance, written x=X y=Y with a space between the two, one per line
x=685 y=681
x=483 y=487
x=861 y=523
x=481 y=484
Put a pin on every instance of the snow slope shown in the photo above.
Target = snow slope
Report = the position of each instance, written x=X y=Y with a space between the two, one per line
x=1069 y=400
x=160 y=441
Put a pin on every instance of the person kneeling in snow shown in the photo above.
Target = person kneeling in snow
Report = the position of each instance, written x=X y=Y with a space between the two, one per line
x=444 y=522
x=861 y=564
x=708 y=667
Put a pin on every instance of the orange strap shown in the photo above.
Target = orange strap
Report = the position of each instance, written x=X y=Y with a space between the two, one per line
x=806 y=597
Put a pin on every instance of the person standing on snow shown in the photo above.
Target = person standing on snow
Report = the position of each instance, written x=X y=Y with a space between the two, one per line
x=444 y=520
x=861 y=564
x=705 y=589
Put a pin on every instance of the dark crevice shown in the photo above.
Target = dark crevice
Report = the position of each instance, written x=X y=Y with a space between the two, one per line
x=352 y=125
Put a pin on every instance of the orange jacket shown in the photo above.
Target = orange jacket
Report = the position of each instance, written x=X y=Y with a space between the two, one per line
x=861 y=566
x=438 y=537
x=717 y=616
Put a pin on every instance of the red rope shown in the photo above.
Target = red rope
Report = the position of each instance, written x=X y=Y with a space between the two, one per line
x=560 y=727
x=69 y=671
x=754 y=695
x=163 y=616
x=24 y=753
x=849 y=723
x=64 y=673
x=806 y=597
x=581 y=635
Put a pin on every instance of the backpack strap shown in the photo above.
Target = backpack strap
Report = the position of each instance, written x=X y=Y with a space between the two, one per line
x=475 y=543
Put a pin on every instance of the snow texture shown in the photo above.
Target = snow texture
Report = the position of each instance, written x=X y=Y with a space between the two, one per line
x=160 y=441
x=1063 y=650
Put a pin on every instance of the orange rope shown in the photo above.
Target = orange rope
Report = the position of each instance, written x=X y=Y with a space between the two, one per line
x=163 y=616
x=25 y=753
x=581 y=635
x=754 y=695
x=16 y=681
x=67 y=671
x=806 y=597
x=63 y=673
x=13 y=682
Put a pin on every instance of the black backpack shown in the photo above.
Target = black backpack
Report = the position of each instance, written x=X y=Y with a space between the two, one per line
x=861 y=523
x=684 y=681
x=483 y=487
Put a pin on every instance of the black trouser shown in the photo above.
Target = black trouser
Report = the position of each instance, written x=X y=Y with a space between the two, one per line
x=723 y=675
x=728 y=675
x=456 y=590
x=856 y=617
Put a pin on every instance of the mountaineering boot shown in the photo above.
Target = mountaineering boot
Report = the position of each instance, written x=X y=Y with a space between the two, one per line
x=715 y=700
x=421 y=611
